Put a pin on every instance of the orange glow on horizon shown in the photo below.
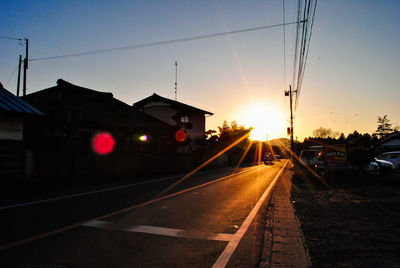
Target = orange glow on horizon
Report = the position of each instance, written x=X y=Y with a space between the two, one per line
x=266 y=119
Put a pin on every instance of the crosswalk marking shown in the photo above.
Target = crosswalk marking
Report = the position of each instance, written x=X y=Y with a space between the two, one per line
x=160 y=231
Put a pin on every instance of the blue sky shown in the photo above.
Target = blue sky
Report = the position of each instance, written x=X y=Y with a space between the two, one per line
x=350 y=79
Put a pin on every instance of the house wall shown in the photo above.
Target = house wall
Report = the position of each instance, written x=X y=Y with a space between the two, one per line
x=394 y=142
x=388 y=146
x=11 y=160
x=165 y=112
x=11 y=148
x=162 y=111
x=11 y=128
x=199 y=124
x=62 y=159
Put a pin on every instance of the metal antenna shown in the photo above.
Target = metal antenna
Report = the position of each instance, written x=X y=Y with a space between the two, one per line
x=176 y=80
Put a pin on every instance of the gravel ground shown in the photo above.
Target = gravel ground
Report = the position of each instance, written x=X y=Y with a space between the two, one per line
x=354 y=223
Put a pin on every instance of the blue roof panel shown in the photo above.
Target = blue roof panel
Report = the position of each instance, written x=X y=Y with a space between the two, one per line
x=11 y=103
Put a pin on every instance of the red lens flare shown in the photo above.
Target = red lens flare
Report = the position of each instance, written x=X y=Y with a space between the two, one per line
x=103 y=143
x=180 y=136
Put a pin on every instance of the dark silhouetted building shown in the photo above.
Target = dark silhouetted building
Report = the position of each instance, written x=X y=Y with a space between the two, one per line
x=62 y=141
x=14 y=114
x=188 y=118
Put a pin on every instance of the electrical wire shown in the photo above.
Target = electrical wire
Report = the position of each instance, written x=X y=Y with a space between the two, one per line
x=301 y=52
x=11 y=76
x=162 y=42
x=11 y=38
x=302 y=44
x=308 y=43
x=296 y=45
x=284 y=44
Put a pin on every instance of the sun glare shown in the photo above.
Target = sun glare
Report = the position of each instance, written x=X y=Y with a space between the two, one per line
x=268 y=122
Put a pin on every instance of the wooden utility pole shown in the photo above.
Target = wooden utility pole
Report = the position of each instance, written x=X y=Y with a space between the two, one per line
x=290 y=94
x=19 y=74
x=25 y=64
x=176 y=80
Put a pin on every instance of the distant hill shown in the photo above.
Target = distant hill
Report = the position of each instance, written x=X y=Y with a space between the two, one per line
x=280 y=141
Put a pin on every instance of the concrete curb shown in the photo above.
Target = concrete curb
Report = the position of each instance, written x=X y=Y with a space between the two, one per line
x=287 y=247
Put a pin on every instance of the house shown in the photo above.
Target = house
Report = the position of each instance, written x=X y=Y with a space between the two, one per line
x=63 y=141
x=14 y=113
x=390 y=143
x=188 y=118
x=73 y=110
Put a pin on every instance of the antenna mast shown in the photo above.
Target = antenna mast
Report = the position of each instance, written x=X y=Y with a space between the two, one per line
x=176 y=80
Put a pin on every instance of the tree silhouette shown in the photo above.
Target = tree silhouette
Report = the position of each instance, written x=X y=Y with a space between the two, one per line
x=325 y=133
x=384 y=127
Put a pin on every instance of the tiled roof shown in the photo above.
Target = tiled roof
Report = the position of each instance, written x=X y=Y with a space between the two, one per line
x=391 y=136
x=174 y=103
x=11 y=103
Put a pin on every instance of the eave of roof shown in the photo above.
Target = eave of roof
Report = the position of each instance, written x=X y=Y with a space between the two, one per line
x=158 y=98
x=391 y=137
x=106 y=106
x=69 y=87
x=13 y=104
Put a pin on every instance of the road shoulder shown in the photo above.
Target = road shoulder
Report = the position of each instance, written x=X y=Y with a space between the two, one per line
x=283 y=244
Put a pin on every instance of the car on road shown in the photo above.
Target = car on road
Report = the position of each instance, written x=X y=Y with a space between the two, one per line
x=393 y=157
x=384 y=166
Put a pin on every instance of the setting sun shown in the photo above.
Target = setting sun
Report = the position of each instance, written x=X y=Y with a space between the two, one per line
x=268 y=122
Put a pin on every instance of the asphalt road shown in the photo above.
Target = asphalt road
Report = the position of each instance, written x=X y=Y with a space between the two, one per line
x=190 y=229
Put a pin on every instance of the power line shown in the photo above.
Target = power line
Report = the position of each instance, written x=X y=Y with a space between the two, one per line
x=11 y=76
x=296 y=44
x=301 y=52
x=305 y=19
x=11 y=38
x=284 y=44
x=308 y=43
x=159 y=43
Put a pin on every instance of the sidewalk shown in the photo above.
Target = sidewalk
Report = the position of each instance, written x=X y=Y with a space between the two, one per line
x=286 y=246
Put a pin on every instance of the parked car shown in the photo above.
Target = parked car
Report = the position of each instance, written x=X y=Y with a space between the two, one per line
x=309 y=156
x=384 y=166
x=372 y=168
x=393 y=157
x=334 y=161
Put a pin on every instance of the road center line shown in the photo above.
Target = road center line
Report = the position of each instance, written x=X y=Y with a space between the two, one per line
x=234 y=242
x=160 y=231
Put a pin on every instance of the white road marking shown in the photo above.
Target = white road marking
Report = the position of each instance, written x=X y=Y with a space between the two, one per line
x=69 y=227
x=160 y=231
x=234 y=242
x=102 y=190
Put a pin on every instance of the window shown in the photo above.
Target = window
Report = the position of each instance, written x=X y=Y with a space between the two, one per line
x=184 y=119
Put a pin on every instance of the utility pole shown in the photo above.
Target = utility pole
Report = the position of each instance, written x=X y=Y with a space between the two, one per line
x=176 y=81
x=290 y=94
x=19 y=74
x=25 y=64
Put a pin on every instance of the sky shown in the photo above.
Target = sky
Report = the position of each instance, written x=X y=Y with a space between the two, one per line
x=351 y=75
